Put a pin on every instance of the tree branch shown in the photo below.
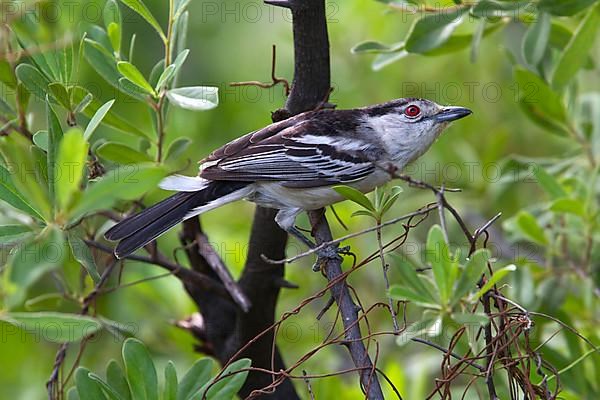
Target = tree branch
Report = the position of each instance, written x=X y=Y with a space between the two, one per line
x=348 y=310
x=310 y=89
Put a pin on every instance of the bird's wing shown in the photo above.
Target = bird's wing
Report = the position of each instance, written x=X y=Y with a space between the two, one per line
x=235 y=146
x=301 y=156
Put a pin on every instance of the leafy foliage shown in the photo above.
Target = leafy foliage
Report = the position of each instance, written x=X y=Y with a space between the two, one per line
x=139 y=379
x=72 y=157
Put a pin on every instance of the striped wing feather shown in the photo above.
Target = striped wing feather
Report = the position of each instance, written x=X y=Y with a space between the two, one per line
x=302 y=156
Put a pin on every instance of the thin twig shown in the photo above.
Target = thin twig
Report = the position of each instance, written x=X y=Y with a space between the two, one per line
x=184 y=274
x=55 y=387
x=206 y=250
x=274 y=79
x=334 y=242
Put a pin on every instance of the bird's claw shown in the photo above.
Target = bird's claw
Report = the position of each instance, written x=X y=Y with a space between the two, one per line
x=329 y=253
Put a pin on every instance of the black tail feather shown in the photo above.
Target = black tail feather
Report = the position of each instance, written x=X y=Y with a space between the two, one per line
x=138 y=230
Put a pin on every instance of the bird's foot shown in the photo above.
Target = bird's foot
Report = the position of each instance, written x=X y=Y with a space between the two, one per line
x=327 y=254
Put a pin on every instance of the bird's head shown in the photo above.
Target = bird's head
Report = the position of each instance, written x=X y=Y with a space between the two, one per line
x=408 y=127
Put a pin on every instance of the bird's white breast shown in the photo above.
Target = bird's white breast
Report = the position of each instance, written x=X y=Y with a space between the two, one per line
x=275 y=195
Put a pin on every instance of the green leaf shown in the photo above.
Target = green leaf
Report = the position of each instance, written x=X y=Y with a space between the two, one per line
x=569 y=206
x=121 y=154
x=114 y=34
x=23 y=96
x=395 y=193
x=132 y=89
x=498 y=275
x=354 y=195
x=59 y=92
x=470 y=319
x=71 y=159
x=180 y=6
x=98 y=34
x=112 y=23
x=106 y=388
x=53 y=326
x=575 y=54
x=10 y=194
x=196 y=98
x=55 y=135
x=67 y=62
x=6 y=108
x=413 y=282
x=83 y=255
x=364 y=213
x=33 y=80
x=24 y=174
x=495 y=8
x=177 y=148
x=131 y=72
x=84 y=102
x=385 y=59
x=10 y=234
x=230 y=382
x=87 y=388
x=139 y=7
x=124 y=183
x=111 y=118
x=140 y=370
x=406 y=293
x=105 y=64
x=548 y=182
x=536 y=38
x=180 y=30
x=438 y=256
x=194 y=379
x=96 y=119
x=170 y=391
x=459 y=42
x=116 y=379
x=564 y=7
x=428 y=326
x=30 y=262
x=370 y=46
x=7 y=76
x=530 y=228
x=72 y=394
x=471 y=274
x=156 y=72
x=543 y=105
x=433 y=30
x=164 y=78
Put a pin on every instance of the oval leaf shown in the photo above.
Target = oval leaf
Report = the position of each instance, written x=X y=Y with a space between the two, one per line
x=71 y=159
x=197 y=98
x=536 y=39
x=355 y=195
x=97 y=118
x=140 y=370
x=121 y=154
x=433 y=30
x=54 y=327
x=131 y=72
x=575 y=54
x=139 y=7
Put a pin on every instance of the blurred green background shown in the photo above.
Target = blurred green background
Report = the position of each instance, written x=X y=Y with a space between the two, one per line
x=231 y=41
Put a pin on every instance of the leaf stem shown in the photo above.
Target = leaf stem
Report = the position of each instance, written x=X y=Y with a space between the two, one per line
x=159 y=105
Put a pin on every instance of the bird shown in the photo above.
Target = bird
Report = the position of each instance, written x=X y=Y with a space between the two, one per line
x=293 y=166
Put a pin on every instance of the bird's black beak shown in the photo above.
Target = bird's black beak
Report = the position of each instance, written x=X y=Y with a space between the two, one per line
x=448 y=114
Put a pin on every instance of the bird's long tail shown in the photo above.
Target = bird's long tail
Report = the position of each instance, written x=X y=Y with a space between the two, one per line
x=138 y=230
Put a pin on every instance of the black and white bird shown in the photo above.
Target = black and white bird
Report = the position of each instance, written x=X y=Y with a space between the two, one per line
x=292 y=165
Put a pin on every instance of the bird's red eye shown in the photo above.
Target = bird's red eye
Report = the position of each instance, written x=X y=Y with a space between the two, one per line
x=412 y=111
